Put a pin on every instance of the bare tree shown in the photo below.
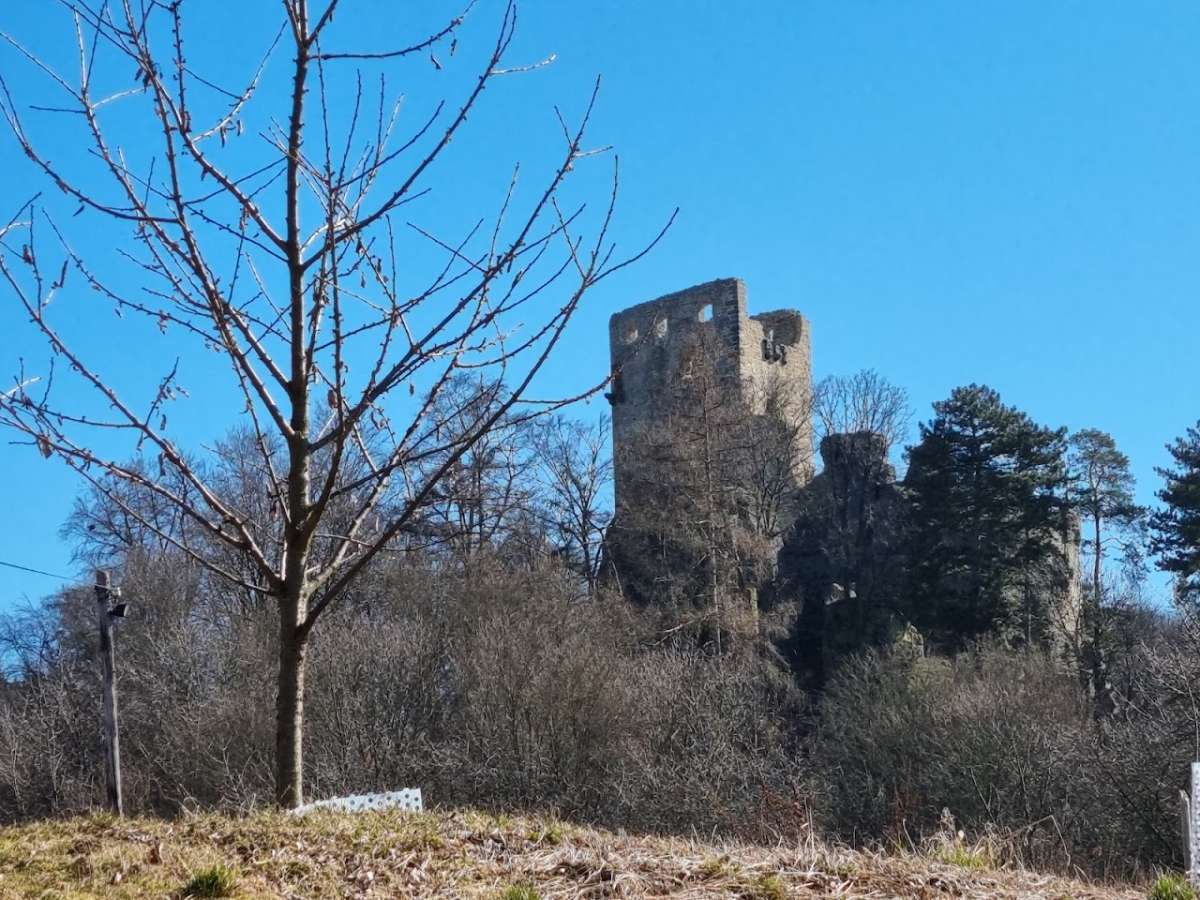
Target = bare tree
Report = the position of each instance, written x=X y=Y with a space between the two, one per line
x=774 y=453
x=864 y=401
x=487 y=488
x=574 y=471
x=275 y=237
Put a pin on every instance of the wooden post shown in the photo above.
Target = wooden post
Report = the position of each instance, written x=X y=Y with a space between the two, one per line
x=112 y=737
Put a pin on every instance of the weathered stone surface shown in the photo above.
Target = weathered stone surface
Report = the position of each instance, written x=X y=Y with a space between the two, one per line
x=843 y=558
x=648 y=344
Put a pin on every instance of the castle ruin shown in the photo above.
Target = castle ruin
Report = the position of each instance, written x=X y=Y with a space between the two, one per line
x=705 y=474
x=684 y=536
x=649 y=344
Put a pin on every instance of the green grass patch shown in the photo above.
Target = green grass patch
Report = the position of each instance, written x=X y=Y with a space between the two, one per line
x=769 y=887
x=520 y=892
x=549 y=833
x=717 y=867
x=1171 y=887
x=958 y=854
x=215 y=881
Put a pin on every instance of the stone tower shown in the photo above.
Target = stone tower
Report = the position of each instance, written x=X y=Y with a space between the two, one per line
x=649 y=341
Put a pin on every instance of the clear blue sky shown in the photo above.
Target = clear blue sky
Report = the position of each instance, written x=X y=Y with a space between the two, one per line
x=1000 y=192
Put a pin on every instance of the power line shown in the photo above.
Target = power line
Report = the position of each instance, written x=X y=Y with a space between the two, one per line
x=37 y=571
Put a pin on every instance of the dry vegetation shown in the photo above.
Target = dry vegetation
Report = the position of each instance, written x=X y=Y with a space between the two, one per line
x=502 y=690
x=469 y=854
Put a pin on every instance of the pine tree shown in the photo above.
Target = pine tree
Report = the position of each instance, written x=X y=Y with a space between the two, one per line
x=1176 y=528
x=1102 y=494
x=985 y=488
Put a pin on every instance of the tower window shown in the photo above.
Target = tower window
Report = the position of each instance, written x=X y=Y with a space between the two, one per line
x=773 y=350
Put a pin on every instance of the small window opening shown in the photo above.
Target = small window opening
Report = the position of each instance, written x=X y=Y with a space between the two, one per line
x=773 y=350
x=705 y=313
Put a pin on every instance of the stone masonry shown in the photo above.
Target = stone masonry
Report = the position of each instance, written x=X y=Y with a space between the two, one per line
x=647 y=343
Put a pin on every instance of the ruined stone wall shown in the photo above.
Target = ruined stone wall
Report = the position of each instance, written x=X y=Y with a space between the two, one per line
x=843 y=558
x=1070 y=608
x=648 y=342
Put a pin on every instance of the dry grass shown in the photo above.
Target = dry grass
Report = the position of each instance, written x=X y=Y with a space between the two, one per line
x=463 y=854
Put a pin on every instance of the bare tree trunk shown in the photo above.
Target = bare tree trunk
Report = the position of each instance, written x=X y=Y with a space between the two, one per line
x=289 y=703
x=289 y=707
x=293 y=627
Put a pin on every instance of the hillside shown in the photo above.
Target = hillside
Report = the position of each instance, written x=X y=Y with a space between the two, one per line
x=464 y=854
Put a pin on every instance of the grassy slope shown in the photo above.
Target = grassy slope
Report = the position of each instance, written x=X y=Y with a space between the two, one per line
x=465 y=854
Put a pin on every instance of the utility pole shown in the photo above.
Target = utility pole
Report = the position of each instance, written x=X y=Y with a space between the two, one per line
x=112 y=737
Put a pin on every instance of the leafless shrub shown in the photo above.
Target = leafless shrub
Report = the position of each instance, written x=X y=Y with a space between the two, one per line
x=503 y=687
x=1005 y=742
x=495 y=687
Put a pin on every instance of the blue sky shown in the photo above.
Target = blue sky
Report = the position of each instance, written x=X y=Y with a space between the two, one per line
x=1003 y=193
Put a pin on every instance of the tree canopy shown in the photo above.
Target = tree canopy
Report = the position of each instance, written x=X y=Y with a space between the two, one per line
x=987 y=512
x=1176 y=527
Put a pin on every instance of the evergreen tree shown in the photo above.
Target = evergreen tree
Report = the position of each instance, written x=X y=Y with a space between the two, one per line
x=1176 y=528
x=1102 y=495
x=985 y=488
